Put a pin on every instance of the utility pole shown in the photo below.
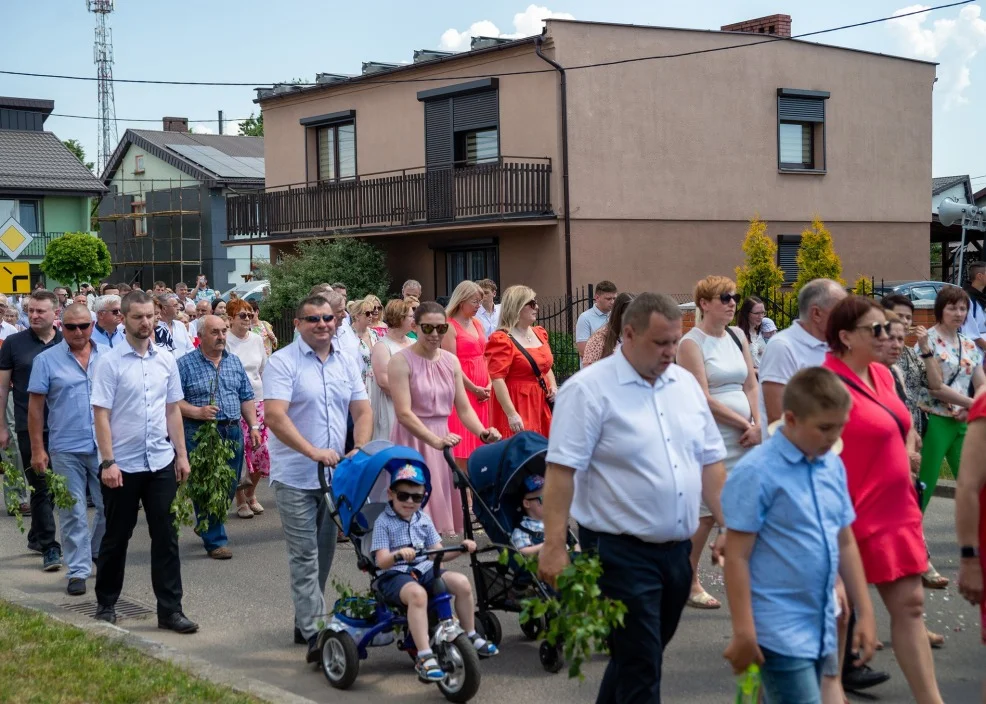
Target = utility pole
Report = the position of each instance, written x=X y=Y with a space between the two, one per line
x=220 y=122
x=103 y=58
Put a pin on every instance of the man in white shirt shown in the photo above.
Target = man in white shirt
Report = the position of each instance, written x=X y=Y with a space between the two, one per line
x=634 y=443
x=202 y=309
x=975 y=321
x=6 y=329
x=180 y=342
x=489 y=312
x=604 y=296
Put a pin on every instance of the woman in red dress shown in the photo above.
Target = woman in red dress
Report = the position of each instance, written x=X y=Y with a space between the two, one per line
x=521 y=400
x=888 y=515
x=970 y=513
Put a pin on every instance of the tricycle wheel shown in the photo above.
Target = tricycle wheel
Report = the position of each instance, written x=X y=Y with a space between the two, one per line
x=551 y=657
x=340 y=659
x=488 y=626
x=533 y=628
x=460 y=661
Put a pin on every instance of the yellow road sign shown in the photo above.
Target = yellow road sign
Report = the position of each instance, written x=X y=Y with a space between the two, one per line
x=15 y=277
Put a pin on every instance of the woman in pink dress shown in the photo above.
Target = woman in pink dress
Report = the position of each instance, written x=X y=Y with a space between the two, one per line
x=425 y=384
x=467 y=341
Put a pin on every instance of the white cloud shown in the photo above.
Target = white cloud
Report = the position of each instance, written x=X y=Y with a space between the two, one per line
x=526 y=24
x=953 y=42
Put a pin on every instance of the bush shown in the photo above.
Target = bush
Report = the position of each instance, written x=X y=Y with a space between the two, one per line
x=77 y=257
x=816 y=256
x=565 y=353
x=863 y=286
x=760 y=274
x=359 y=264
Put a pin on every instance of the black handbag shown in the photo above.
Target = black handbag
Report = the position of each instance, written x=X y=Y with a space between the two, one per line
x=534 y=368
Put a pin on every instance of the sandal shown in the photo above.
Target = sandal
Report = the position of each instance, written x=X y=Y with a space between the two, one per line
x=243 y=511
x=878 y=645
x=485 y=650
x=428 y=669
x=932 y=579
x=703 y=601
x=255 y=506
x=936 y=640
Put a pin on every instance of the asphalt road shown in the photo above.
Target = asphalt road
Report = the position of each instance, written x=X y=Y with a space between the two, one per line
x=245 y=612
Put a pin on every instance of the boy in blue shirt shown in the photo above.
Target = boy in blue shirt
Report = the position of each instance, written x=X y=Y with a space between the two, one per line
x=528 y=537
x=788 y=515
x=400 y=531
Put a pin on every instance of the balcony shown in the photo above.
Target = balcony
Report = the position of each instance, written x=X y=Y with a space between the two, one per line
x=509 y=188
x=36 y=249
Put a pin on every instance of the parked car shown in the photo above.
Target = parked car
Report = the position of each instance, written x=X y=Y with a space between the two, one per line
x=250 y=291
x=914 y=290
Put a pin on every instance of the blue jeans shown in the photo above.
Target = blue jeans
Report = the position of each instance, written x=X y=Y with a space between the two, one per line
x=215 y=535
x=787 y=680
x=80 y=541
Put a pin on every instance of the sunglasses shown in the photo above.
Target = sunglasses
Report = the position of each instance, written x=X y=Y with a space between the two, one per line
x=408 y=496
x=76 y=326
x=428 y=328
x=878 y=329
x=531 y=304
x=371 y=313
x=725 y=298
x=115 y=311
x=315 y=319
x=245 y=316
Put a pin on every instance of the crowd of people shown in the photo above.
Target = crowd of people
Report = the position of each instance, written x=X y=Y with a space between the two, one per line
x=660 y=438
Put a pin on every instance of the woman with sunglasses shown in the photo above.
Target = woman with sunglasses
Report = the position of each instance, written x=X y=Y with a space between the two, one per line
x=363 y=314
x=467 y=341
x=522 y=398
x=961 y=364
x=425 y=385
x=888 y=516
x=249 y=347
x=718 y=356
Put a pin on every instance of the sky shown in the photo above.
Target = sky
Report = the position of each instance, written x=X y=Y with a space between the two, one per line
x=264 y=42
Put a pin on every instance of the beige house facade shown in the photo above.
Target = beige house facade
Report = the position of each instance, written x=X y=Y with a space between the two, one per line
x=470 y=166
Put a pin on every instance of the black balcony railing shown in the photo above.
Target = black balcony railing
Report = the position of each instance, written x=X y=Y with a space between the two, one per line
x=37 y=247
x=506 y=188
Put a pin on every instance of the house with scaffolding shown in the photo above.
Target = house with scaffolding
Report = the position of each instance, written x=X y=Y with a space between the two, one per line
x=165 y=215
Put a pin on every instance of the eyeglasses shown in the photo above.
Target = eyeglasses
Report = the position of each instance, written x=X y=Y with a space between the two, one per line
x=315 y=319
x=114 y=311
x=531 y=304
x=408 y=496
x=245 y=316
x=878 y=329
x=725 y=298
x=428 y=328
x=76 y=326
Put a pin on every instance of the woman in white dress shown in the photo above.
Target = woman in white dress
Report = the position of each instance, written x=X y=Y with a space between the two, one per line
x=719 y=357
x=399 y=317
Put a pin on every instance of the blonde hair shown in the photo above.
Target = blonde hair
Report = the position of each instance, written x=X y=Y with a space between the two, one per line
x=353 y=308
x=709 y=288
x=368 y=304
x=512 y=302
x=463 y=292
x=397 y=309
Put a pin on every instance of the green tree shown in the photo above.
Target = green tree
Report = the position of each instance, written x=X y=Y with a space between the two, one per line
x=863 y=285
x=76 y=148
x=816 y=256
x=78 y=257
x=760 y=275
x=253 y=126
x=359 y=264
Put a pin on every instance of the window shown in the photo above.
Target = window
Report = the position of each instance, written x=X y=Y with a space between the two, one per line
x=801 y=129
x=477 y=147
x=336 y=152
x=140 y=224
x=787 y=256
x=139 y=164
x=471 y=265
x=27 y=215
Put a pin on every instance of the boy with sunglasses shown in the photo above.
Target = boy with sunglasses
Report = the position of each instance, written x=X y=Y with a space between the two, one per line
x=406 y=579
x=528 y=537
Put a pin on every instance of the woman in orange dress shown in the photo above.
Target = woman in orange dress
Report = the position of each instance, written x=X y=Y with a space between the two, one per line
x=522 y=399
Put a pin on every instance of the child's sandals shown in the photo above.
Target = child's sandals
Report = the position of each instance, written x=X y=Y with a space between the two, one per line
x=486 y=649
x=428 y=669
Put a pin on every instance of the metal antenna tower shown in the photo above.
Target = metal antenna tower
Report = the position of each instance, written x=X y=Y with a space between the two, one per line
x=103 y=58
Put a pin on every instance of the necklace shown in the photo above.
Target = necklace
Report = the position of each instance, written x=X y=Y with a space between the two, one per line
x=527 y=335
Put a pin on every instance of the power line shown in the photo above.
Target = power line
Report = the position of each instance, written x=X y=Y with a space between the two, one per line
x=600 y=64
x=144 y=119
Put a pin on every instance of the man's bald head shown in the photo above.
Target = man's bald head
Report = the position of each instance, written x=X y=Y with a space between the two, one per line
x=76 y=313
x=203 y=308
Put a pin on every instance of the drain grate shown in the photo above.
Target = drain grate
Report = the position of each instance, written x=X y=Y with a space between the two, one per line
x=124 y=609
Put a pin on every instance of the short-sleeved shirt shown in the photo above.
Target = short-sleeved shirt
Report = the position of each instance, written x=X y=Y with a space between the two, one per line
x=204 y=294
x=226 y=387
x=638 y=449
x=107 y=339
x=957 y=362
x=489 y=320
x=136 y=389
x=391 y=532
x=975 y=322
x=67 y=387
x=522 y=537
x=180 y=343
x=789 y=352
x=17 y=356
x=319 y=394
x=590 y=321
x=796 y=507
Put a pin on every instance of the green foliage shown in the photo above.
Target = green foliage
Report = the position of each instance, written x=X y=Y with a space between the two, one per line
x=15 y=484
x=360 y=265
x=816 y=256
x=78 y=257
x=253 y=126
x=863 y=286
x=353 y=603
x=760 y=274
x=58 y=488
x=208 y=483
x=579 y=618
x=565 y=353
x=76 y=148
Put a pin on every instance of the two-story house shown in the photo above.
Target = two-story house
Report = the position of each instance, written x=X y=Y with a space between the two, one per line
x=43 y=185
x=603 y=151
x=165 y=216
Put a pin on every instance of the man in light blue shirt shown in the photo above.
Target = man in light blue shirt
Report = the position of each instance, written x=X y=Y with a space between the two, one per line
x=139 y=433
x=61 y=377
x=604 y=296
x=106 y=333
x=202 y=292
x=309 y=388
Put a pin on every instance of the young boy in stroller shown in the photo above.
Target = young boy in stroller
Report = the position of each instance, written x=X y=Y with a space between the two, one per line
x=528 y=537
x=398 y=534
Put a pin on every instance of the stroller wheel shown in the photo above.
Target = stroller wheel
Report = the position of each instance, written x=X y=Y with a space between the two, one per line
x=533 y=628
x=340 y=659
x=488 y=626
x=551 y=657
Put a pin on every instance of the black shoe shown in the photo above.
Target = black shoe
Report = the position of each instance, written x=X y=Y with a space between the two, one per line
x=35 y=547
x=105 y=613
x=89 y=503
x=314 y=654
x=177 y=622
x=299 y=639
x=76 y=586
x=860 y=678
x=52 y=560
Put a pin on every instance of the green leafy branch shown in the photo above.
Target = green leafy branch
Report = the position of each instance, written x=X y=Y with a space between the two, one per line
x=58 y=488
x=352 y=603
x=208 y=482
x=16 y=484
x=577 y=617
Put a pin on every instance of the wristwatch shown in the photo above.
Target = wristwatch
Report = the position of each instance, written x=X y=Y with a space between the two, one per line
x=968 y=552
x=927 y=355
x=106 y=464
x=254 y=427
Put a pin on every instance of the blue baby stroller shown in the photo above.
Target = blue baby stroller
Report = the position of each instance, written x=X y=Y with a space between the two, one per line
x=496 y=477
x=356 y=495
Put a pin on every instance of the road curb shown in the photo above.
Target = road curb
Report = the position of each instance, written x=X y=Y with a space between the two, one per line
x=195 y=666
x=945 y=489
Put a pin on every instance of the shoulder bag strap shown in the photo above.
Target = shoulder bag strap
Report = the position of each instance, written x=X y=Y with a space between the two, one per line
x=867 y=394
x=530 y=359
x=735 y=339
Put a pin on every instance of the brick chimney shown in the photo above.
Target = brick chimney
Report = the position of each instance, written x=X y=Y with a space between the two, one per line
x=778 y=25
x=175 y=124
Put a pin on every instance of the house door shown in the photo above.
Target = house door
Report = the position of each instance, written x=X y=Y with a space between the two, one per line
x=471 y=264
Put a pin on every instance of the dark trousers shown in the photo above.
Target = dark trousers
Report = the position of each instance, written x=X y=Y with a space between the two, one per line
x=350 y=442
x=850 y=656
x=155 y=491
x=654 y=582
x=43 y=528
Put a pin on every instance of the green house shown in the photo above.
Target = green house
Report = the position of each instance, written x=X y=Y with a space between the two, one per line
x=43 y=185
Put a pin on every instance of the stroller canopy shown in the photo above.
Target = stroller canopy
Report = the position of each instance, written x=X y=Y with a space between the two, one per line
x=497 y=474
x=366 y=476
